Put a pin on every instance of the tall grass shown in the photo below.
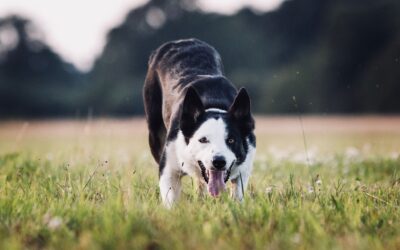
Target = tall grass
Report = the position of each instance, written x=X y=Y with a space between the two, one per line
x=98 y=190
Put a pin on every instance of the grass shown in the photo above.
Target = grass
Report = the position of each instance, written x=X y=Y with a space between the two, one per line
x=93 y=185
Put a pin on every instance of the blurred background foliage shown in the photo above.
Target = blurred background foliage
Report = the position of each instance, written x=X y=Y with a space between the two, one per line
x=335 y=56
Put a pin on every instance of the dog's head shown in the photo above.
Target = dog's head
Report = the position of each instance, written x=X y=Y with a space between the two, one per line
x=216 y=140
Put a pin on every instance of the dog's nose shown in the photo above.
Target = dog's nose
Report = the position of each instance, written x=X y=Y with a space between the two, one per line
x=219 y=162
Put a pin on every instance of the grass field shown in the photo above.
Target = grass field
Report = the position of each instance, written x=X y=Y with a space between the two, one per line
x=93 y=185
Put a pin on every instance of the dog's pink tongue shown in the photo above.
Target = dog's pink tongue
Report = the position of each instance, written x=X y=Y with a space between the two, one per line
x=216 y=182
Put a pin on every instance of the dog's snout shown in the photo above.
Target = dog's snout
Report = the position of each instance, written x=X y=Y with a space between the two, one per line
x=219 y=162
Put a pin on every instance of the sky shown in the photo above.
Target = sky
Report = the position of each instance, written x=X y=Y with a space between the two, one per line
x=79 y=39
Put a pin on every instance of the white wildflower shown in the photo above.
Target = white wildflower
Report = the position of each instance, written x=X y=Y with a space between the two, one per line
x=394 y=155
x=310 y=189
x=269 y=189
x=296 y=238
x=352 y=152
x=55 y=223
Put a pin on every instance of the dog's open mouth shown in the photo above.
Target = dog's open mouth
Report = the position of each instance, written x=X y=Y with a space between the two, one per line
x=215 y=179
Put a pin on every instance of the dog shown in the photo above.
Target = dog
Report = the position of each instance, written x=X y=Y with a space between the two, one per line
x=199 y=124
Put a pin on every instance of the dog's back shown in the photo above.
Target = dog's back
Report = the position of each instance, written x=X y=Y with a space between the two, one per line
x=183 y=60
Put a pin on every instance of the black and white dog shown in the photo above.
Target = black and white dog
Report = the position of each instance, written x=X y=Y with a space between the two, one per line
x=199 y=124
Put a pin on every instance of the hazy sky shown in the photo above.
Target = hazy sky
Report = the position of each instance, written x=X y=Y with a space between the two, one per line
x=80 y=39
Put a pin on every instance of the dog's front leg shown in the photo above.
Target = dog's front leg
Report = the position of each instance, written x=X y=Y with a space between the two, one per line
x=170 y=186
x=239 y=185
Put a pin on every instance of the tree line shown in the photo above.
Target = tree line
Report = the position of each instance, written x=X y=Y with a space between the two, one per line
x=334 y=56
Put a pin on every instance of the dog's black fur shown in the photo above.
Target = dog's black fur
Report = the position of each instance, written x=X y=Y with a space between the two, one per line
x=184 y=78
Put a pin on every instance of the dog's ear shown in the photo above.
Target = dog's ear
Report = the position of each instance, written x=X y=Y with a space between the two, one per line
x=192 y=109
x=240 y=111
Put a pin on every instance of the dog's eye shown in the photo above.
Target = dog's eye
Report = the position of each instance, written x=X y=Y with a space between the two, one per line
x=203 y=140
x=231 y=140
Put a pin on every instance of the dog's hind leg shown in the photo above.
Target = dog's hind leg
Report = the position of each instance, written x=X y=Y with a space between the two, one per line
x=152 y=97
